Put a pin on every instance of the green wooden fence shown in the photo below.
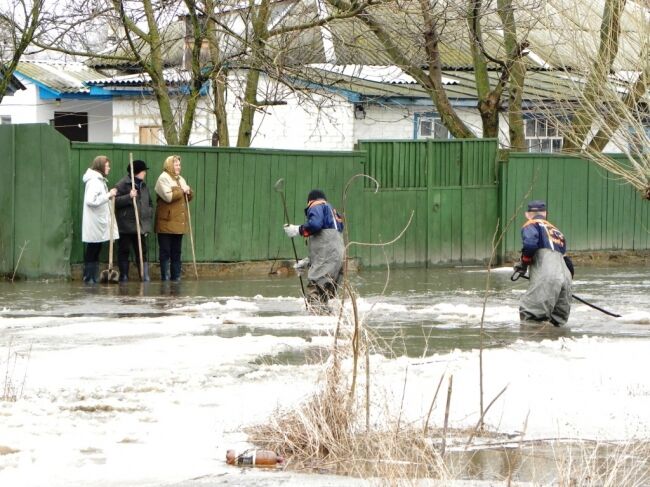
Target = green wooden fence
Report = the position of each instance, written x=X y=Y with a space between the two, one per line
x=236 y=213
x=451 y=186
x=594 y=209
x=36 y=223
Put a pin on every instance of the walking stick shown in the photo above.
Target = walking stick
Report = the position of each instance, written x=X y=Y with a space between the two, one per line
x=189 y=224
x=110 y=274
x=279 y=187
x=577 y=298
x=137 y=218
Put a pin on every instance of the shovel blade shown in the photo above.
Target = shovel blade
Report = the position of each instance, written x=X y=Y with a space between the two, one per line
x=103 y=276
x=279 y=185
x=113 y=276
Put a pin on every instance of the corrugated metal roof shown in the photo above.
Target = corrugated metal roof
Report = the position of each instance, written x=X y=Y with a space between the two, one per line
x=64 y=77
x=383 y=74
x=561 y=33
x=172 y=39
x=172 y=77
x=540 y=86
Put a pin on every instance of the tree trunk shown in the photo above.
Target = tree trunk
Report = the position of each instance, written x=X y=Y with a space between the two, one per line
x=248 y=109
x=610 y=29
x=616 y=114
x=219 y=86
x=516 y=75
x=218 y=77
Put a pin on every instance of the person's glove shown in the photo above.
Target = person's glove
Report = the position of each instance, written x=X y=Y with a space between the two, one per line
x=301 y=266
x=292 y=230
x=520 y=268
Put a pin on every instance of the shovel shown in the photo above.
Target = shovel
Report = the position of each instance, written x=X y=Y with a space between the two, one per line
x=137 y=217
x=279 y=187
x=110 y=274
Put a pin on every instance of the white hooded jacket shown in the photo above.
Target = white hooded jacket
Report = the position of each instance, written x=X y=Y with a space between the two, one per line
x=96 y=217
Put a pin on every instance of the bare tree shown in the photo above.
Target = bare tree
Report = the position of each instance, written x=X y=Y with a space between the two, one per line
x=609 y=75
x=20 y=21
x=437 y=25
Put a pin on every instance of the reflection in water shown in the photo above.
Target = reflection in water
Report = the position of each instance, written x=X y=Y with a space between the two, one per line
x=549 y=463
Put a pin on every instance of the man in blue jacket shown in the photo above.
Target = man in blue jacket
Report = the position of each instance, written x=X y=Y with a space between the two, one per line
x=323 y=228
x=548 y=297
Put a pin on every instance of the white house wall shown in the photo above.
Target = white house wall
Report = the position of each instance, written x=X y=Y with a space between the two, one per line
x=25 y=106
x=319 y=121
x=22 y=106
x=323 y=121
x=385 y=122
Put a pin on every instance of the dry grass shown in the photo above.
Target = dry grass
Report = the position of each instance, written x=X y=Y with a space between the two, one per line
x=14 y=382
x=601 y=464
x=324 y=434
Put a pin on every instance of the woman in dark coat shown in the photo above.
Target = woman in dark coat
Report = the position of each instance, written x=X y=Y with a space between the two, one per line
x=126 y=223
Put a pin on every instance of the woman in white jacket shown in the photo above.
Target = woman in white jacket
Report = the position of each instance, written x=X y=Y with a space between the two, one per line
x=96 y=218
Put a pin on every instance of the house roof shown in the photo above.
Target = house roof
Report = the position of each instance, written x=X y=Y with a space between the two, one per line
x=560 y=33
x=172 y=76
x=172 y=45
x=460 y=85
x=59 y=76
x=14 y=85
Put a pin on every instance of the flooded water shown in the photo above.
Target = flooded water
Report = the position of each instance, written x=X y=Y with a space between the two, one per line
x=150 y=384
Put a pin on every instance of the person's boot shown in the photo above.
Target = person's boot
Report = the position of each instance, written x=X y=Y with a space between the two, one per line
x=91 y=270
x=164 y=270
x=176 y=271
x=145 y=272
x=124 y=271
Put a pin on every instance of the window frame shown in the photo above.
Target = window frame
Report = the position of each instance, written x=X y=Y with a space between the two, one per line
x=554 y=142
x=436 y=119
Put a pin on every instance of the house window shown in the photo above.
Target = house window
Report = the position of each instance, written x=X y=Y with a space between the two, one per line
x=152 y=135
x=429 y=126
x=5 y=119
x=74 y=125
x=542 y=135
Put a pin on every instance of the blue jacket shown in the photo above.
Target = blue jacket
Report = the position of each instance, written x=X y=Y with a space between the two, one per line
x=320 y=215
x=540 y=234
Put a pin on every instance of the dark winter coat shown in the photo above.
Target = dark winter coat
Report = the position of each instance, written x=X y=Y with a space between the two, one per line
x=124 y=206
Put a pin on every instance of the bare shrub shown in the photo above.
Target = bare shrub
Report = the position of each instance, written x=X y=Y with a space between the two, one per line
x=14 y=383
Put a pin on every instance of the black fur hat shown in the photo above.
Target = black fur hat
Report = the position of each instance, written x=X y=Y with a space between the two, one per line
x=138 y=166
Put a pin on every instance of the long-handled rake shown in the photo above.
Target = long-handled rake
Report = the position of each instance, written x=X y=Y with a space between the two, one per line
x=189 y=224
x=279 y=187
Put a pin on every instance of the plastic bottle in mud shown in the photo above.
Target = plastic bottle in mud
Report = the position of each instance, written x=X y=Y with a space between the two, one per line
x=254 y=458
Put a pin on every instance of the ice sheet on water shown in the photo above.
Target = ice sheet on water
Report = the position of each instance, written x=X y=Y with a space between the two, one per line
x=229 y=304
x=636 y=317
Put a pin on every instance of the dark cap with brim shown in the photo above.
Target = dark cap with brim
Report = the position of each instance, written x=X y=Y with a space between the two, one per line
x=537 y=205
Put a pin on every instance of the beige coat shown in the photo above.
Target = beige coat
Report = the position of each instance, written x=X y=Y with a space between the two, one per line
x=171 y=213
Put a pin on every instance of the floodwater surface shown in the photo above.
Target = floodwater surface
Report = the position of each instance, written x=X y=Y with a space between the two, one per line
x=149 y=384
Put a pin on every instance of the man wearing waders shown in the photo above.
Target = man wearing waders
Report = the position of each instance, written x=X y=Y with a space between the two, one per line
x=324 y=265
x=548 y=297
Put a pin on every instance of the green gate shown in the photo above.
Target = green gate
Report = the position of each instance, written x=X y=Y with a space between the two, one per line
x=450 y=186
